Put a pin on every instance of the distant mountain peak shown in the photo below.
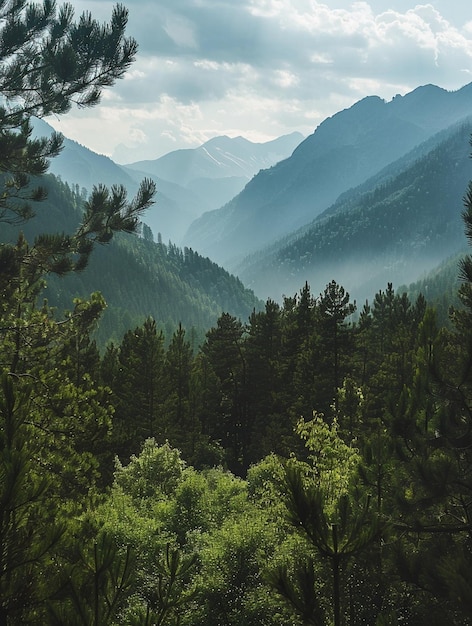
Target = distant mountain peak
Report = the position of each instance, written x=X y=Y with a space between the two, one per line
x=219 y=157
x=225 y=141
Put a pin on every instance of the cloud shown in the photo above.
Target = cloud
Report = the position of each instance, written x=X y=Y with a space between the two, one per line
x=261 y=68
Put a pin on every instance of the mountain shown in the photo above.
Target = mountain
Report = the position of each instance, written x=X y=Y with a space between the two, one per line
x=189 y=182
x=344 y=151
x=77 y=165
x=393 y=228
x=219 y=158
x=209 y=175
x=137 y=277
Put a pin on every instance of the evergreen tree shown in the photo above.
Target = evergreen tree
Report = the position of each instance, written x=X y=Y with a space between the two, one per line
x=53 y=415
x=29 y=530
x=263 y=349
x=139 y=389
x=224 y=349
x=47 y=63
x=336 y=343
x=182 y=426
x=337 y=524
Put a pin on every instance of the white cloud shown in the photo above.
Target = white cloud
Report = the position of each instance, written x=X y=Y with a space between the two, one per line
x=261 y=68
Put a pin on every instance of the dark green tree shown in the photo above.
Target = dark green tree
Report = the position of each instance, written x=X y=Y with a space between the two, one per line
x=55 y=415
x=336 y=339
x=139 y=389
x=263 y=349
x=224 y=350
x=29 y=531
x=95 y=585
x=182 y=427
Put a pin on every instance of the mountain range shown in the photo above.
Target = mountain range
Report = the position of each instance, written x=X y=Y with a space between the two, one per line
x=374 y=195
x=189 y=182
x=343 y=152
x=395 y=227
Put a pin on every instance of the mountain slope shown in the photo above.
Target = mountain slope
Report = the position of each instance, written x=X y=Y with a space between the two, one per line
x=77 y=165
x=210 y=175
x=344 y=151
x=391 y=229
x=138 y=278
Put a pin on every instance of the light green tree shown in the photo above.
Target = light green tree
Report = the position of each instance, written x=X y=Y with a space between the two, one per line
x=336 y=524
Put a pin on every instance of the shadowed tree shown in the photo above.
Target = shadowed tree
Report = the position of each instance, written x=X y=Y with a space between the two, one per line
x=336 y=340
x=224 y=350
x=139 y=388
x=55 y=414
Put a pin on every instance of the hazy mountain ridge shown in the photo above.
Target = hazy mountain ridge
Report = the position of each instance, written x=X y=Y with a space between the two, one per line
x=211 y=175
x=78 y=165
x=189 y=182
x=344 y=151
x=220 y=157
x=402 y=222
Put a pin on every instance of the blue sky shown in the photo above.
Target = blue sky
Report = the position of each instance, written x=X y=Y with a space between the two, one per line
x=264 y=68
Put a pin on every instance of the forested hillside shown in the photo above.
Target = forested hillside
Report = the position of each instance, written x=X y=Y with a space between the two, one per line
x=395 y=227
x=137 y=276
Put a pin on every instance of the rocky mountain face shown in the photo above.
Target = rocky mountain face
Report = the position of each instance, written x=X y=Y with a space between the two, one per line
x=344 y=151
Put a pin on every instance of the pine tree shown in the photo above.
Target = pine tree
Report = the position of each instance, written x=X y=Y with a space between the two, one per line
x=263 y=349
x=182 y=427
x=337 y=524
x=224 y=351
x=53 y=415
x=48 y=62
x=139 y=389
x=336 y=343
x=29 y=532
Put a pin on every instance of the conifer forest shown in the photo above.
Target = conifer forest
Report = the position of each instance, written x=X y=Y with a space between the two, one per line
x=308 y=465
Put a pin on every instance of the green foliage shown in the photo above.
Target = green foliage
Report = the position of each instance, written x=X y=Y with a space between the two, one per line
x=28 y=530
x=331 y=463
x=231 y=588
x=95 y=586
x=155 y=473
x=168 y=594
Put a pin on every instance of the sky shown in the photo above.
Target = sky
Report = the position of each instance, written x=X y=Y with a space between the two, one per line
x=264 y=68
